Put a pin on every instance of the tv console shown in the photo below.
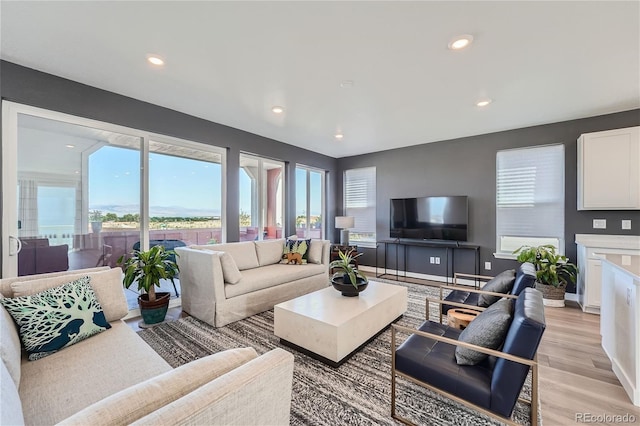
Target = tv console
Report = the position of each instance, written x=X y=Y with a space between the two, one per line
x=450 y=246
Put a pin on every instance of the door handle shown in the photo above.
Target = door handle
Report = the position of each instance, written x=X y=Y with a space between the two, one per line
x=14 y=249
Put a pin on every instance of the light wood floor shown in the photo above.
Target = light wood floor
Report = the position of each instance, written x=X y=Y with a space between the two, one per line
x=575 y=374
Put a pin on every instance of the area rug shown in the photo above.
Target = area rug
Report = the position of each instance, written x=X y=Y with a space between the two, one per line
x=356 y=393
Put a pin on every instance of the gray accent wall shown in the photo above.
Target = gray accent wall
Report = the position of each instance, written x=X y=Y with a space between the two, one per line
x=467 y=166
x=30 y=87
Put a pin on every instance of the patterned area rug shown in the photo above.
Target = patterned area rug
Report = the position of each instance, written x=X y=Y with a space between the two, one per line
x=356 y=393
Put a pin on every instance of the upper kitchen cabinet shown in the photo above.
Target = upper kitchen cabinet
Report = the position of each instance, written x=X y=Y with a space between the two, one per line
x=608 y=170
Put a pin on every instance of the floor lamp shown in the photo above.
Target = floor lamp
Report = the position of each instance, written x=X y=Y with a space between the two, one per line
x=344 y=223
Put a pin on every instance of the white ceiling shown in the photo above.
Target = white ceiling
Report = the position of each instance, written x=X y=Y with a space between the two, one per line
x=230 y=62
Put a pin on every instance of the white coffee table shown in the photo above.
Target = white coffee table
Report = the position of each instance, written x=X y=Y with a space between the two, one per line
x=331 y=327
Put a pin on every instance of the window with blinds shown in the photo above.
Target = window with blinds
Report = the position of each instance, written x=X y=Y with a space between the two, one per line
x=360 y=202
x=529 y=198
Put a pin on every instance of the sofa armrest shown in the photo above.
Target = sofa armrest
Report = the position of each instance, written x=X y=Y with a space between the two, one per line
x=492 y=352
x=144 y=398
x=201 y=282
x=257 y=393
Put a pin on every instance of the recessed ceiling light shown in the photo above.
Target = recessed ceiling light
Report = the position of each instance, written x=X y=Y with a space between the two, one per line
x=347 y=84
x=70 y=146
x=77 y=172
x=277 y=110
x=484 y=102
x=339 y=136
x=155 y=60
x=460 y=42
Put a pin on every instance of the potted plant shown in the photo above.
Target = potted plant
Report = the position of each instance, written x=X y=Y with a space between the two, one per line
x=553 y=272
x=349 y=281
x=147 y=268
x=96 y=218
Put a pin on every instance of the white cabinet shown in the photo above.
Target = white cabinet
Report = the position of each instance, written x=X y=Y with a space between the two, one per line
x=589 y=280
x=620 y=320
x=608 y=170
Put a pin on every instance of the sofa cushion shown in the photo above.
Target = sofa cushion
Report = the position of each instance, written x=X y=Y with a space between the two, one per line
x=230 y=270
x=296 y=251
x=66 y=382
x=315 y=251
x=435 y=363
x=57 y=318
x=269 y=276
x=11 y=413
x=269 y=251
x=487 y=330
x=107 y=285
x=501 y=283
x=5 y=283
x=244 y=253
x=10 y=350
x=144 y=398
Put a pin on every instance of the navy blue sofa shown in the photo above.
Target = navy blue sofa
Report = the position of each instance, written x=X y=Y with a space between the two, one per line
x=493 y=385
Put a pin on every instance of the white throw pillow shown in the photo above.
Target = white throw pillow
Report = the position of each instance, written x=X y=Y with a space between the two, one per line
x=11 y=413
x=243 y=253
x=315 y=251
x=230 y=270
x=269 y=251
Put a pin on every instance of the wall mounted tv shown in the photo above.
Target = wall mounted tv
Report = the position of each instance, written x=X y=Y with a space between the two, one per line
x=430 y=218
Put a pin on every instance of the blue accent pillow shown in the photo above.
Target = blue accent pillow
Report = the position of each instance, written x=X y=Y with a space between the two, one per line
x=296 y=251
x=57 y=317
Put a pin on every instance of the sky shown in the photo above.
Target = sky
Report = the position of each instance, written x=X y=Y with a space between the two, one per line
x=177 y=186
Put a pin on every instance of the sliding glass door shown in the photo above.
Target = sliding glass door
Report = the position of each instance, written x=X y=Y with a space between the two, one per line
x=65 y=178
x=78 y=193
x=185 y=194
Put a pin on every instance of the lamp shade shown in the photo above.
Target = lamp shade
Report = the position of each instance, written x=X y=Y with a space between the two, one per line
x=345 y=222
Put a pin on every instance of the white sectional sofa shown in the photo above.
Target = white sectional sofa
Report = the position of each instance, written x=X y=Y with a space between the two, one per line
x=114 y=377
x=223 y=283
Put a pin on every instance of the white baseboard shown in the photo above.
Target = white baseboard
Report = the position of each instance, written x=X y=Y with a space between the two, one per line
x=573 y=297
x=402 y=274
x=567 y=296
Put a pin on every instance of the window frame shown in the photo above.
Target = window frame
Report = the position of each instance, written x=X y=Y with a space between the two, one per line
x=323 y=174
x=371 y=182
x=558 y=200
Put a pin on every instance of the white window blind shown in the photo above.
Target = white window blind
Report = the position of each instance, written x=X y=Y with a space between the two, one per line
x=530 y=198
x=360 y=202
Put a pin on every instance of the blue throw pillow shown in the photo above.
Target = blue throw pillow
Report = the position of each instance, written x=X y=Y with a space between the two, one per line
x=57 y=317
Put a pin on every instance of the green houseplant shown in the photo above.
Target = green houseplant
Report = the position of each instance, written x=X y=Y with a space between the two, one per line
x=147 y=268
x=553 y=272
x=96 y=218
x=349 y=281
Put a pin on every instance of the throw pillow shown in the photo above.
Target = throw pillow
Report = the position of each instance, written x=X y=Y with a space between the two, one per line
x=501 y=283
x=488 y=330
x=57 y=317
x=315 y=251
x=230 y=270
x=296 y=252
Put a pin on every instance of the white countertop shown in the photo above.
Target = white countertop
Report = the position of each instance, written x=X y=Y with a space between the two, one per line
x=628 y=263
x=627 y=242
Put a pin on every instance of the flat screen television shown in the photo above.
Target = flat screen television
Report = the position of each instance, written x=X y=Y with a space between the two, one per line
x=430 y=218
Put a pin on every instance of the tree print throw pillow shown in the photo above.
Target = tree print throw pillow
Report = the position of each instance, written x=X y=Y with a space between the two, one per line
x=57 y=317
